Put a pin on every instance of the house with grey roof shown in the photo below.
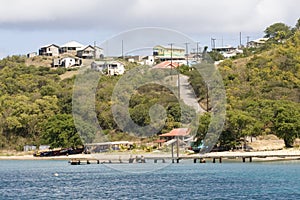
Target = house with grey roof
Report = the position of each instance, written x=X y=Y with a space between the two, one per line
x=109 y=67
x=90 y=52
x=49 y=50
x=71 y=48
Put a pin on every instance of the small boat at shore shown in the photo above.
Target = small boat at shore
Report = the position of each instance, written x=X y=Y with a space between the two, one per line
x=59 y=152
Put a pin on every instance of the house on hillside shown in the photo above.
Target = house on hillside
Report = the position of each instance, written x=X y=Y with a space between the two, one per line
x=148 y=60
x=109 y=67
x=90 y=52
x=132 y=59
x=163 y=53
x=49 y=50
x=71 y=48
x=66 y=62
x=258 y=42
x=227 y=51
x=70 y=62
x=31 y=55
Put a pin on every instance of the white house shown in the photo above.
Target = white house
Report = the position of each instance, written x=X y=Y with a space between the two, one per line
x=71 y=47
x=49 y=50
x=66 y=62
x=109 y=67
x=228 y=51
x=258 y=42
x=69 y=62
x=148 y=60
x=31 y=55
x=90 y=52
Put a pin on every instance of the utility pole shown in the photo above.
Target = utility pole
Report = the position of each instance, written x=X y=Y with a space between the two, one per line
x=171 y=44
x=248 y=40
x=177 y=144
x=240 y=39
x=207 y=106
x=94 y=50
x=213 y=43
x=122 y=50
x=222 y=41
x=187 y=52
x=198 y=51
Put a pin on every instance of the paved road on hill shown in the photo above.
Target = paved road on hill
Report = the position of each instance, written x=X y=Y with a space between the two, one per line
x=187 y=94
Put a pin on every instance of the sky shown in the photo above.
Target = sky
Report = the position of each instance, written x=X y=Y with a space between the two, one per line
x=25 y=26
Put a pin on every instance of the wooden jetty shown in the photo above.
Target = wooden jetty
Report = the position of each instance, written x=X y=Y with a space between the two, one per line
x=216 y=157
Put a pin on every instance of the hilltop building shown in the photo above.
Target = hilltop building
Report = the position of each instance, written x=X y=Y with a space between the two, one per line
x=49 y=50
x=90 y=52
x=109 y=67
x=66 y=62
x=258 y=42
x=71 y=48
x=227 y=51
x=163 y=53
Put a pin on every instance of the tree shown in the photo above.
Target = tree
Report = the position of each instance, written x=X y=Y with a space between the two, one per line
x=278 y=31
x=215 y=56
x=60 y=131
x=241 y=124
x=297 y=26
x=204 y=121
x=287 y=122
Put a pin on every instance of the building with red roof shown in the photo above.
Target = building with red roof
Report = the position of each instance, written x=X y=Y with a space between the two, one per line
x=167 y=65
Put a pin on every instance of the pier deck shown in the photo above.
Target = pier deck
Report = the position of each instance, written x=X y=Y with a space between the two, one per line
x=202 y=158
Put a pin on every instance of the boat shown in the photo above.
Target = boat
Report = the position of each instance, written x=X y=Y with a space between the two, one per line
x=59 y=152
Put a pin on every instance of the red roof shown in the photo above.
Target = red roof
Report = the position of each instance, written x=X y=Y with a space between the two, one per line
x=167 y=65
x=177 y=132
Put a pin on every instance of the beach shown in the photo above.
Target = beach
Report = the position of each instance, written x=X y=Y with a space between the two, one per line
x=276 y=155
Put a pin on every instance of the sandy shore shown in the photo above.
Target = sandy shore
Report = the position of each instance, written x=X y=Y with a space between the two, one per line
x=290 y=154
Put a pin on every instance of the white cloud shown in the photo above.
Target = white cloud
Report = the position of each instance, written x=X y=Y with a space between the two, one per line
x=190 y=15
x=24 y=25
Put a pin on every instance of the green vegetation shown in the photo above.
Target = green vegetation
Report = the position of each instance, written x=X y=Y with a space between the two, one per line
x=36 y=107
x=262 y=88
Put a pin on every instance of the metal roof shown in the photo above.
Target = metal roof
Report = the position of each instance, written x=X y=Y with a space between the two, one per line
x=177 y=132
x=73 y=44
x=169 y=47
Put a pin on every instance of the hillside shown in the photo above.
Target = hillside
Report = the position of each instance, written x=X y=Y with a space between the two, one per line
x=263 y=92
x=262 y=88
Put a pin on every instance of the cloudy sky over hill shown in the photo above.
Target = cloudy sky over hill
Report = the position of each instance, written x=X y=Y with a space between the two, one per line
x=27 y=25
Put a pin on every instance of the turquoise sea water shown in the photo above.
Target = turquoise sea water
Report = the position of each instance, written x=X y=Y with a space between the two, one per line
x=60 y=180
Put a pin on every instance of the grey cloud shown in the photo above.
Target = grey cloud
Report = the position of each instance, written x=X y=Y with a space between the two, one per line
x=116 y=15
